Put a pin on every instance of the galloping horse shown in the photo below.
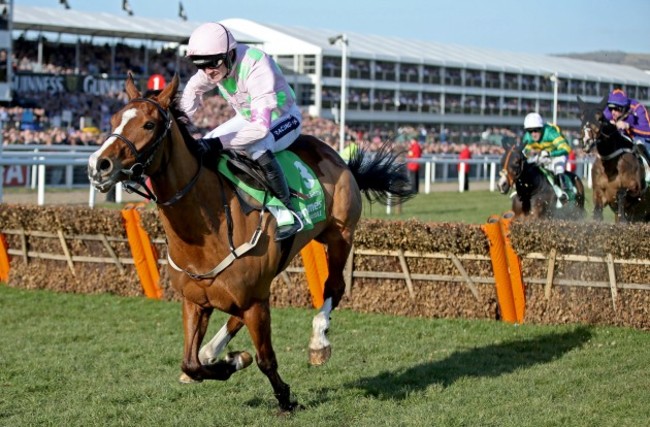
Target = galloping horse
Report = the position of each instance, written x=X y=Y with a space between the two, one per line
x=618 y=175
x=535 y=197
x=204 y=223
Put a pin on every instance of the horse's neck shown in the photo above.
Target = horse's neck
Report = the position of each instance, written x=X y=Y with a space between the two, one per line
x=531 y=180
x=611 y=141
x=190 y=197
x=177 y=168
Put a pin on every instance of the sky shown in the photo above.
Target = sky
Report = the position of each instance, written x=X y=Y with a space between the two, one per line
x=541 y=26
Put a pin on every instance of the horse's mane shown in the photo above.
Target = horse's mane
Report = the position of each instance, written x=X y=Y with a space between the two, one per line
x=185 y=125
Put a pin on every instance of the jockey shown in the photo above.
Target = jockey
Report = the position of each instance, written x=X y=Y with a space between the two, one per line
x=631 y=118
x=545 y=145
x=267 y=118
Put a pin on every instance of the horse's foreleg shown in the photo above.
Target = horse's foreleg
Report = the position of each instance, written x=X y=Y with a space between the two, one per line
x=599 y=204
x=210 y=352
x=258 y=321
x=580 y=193
x=195 y=325
x=620 y=200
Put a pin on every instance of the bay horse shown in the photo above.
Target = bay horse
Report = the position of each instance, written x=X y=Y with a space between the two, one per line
x=535 y=197
x=203 y=222
x=618 y=174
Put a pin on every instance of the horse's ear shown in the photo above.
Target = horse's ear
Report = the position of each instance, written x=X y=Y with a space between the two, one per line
x=581 y=103
x=167 y=95
x=131 y=90
x=603 y=102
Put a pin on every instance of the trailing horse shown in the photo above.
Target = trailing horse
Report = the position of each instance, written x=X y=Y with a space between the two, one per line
x=618 y=174
x=223 y=258
x=535 y=197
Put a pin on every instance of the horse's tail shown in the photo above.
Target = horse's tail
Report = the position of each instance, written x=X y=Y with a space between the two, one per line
x=381 y=176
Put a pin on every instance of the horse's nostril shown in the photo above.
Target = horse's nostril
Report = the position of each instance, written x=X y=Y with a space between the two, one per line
x=105 y=165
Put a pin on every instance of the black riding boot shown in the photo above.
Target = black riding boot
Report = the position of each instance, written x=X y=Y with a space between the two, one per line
x=559 y=181
x=278 y=185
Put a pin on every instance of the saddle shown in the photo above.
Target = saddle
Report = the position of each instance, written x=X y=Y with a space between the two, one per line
x=564 y=181
x=247 y=179
x=250 y=173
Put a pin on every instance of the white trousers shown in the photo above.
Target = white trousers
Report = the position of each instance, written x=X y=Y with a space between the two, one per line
x=557 y=164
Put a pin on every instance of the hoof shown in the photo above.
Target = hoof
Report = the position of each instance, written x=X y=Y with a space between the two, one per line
x=186 y=379
x=290 y=408
x=320 y=356
x=239 y=359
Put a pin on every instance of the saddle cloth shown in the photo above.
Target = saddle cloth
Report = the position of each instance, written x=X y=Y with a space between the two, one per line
x=646 y=168
x=301 y=180
x=571 y=191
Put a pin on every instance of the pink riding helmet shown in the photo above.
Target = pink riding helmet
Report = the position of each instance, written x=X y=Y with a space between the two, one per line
x=210 y=39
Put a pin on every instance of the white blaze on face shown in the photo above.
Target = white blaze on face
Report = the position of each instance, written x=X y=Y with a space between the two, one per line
x=126 y=117
x=587 y=136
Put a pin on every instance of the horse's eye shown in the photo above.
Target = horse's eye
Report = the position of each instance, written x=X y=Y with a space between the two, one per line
x=149 y=125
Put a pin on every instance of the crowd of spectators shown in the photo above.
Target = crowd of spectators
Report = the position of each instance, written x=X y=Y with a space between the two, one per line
x=61 y=58
x=59 y=119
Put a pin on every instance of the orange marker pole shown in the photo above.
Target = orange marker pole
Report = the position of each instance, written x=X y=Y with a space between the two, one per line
x=500 y=268
x=4 y=259
x=150 y=255
x=514 y=266
x=141 y=252
x=314 y=259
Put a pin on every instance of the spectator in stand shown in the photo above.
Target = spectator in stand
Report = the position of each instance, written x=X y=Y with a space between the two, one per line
x=464 y=167
x=571 y=164
x=349 y=151
x=267 y=118
x=631 y=118
x=414 y=153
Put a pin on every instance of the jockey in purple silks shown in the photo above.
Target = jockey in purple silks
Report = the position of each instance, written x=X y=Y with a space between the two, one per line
x=631 y=118
x=267 y=118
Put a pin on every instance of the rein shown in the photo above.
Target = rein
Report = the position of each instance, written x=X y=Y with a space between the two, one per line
x=601 y=136
x=504 y=172
x=144 y=159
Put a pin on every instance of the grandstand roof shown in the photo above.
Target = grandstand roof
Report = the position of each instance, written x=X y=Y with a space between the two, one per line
x=70 y=21
x=427 y=52
x=294 y=39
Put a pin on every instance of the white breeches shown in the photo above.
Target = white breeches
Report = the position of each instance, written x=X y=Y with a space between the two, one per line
x=284 y=132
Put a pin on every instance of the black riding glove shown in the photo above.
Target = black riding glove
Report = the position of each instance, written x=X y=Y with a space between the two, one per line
x=208 y=148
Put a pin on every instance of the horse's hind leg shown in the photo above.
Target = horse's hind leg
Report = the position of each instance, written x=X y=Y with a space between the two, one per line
x=338 y=249
x=258 y=321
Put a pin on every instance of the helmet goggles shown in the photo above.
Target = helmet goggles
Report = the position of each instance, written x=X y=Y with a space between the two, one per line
x=210 y=61
x=615 y=107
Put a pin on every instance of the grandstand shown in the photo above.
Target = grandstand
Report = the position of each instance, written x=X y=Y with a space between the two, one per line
x=454 y=90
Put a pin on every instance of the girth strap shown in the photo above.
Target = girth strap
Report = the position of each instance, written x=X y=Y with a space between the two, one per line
x=234 y=253
x=616 y=153
x=232 y=256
